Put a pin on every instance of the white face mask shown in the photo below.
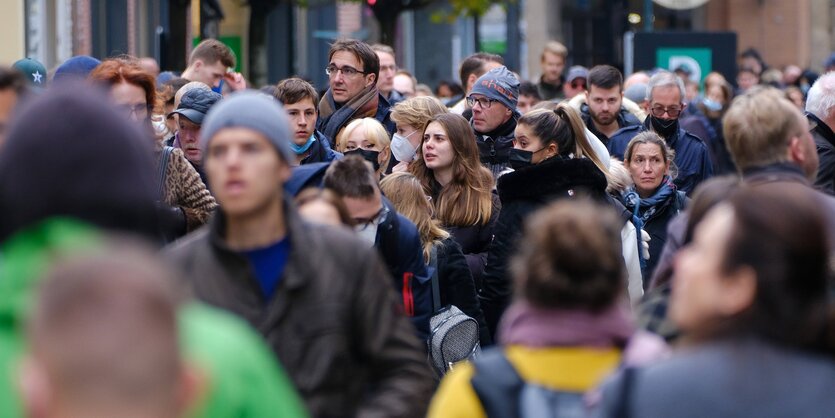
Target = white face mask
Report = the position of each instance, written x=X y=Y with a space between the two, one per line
x=367 y=233
x=401 y=148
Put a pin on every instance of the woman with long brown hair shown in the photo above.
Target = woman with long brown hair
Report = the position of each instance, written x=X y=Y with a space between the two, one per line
x=185 y=202
x=461 y=189
x=456 y=282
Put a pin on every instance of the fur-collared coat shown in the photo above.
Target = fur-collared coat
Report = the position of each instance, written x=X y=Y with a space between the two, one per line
x=522 y=192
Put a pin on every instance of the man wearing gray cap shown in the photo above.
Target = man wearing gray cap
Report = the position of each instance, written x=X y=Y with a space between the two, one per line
x=575 y=82
x=493 y=99
x=320 y=298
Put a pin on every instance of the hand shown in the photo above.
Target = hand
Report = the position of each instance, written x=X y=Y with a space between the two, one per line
x=401 y=167
x=645 y=239
x=235 y=81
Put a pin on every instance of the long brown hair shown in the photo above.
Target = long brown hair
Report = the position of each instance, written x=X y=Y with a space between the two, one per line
x=467 y=199
x=406 y=193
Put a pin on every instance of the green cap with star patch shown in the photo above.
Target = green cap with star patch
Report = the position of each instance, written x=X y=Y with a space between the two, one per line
x=34 y=71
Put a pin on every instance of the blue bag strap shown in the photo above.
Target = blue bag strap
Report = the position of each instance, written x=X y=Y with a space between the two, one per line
x=497 y=384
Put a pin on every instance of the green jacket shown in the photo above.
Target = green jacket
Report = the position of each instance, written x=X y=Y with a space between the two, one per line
x=244 y=379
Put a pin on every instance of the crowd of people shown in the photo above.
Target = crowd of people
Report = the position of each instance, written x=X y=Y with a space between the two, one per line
x=183 y=244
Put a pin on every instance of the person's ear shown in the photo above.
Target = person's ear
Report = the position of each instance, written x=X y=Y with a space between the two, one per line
x=284 y=170
x=551 y=150
x=471 y=79
x=795 y=150
x=508 y=111
x=384 y=156
x=33 y=384
x=740 y=289
x=192 y=389
x=198 y=64
x=370 y=79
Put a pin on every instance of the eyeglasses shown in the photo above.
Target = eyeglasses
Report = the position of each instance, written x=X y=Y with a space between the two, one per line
x=659 y=111
x=484 y=102
x=363 y=223
x=346 y=71
x=138 y=110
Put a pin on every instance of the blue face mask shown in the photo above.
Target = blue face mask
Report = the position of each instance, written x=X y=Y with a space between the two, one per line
x=301 y=149
x=712 y=105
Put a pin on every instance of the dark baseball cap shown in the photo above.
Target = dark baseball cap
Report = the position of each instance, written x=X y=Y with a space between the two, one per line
x=195 y=103
x=577 y=71
x=34 y=71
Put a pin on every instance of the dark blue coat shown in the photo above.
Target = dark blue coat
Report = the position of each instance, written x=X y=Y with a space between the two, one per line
x=692 y=157
x=321 y=150
x=399 y=243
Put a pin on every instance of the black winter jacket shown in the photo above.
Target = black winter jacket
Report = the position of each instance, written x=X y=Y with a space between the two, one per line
x=522 y=192
x=825 y=144
x=456 y=285
x=474 y=239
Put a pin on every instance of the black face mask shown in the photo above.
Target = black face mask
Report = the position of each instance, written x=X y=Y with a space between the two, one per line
x=367 y=155
x=520 y=158
x=664 y=127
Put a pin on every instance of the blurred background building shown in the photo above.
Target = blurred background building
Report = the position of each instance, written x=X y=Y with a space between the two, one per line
x=274 y=39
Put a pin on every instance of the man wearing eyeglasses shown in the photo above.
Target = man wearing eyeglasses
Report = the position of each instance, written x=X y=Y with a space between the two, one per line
x=493 y=100
x=575 y=82
x=380 y=226
x=665 y=94
x=353 y=69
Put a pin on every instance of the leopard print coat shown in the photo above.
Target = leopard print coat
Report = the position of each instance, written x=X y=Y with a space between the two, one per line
x=183 y=188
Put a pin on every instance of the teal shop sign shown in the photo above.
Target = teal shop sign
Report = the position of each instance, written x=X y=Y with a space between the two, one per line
x=698 y=60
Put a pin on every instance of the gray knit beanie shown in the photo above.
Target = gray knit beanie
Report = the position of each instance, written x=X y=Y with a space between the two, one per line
x=252 y=110
x=499 y=84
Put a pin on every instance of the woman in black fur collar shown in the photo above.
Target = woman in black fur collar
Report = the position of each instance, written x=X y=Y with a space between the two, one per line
x=552 y=159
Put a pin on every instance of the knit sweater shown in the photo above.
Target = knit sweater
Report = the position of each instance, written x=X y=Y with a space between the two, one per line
x=183 y=188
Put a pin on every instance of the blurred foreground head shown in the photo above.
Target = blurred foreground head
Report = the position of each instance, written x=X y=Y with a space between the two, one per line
x=571 y=258
x=69 y=153
x=758 y=266
x=103 y=340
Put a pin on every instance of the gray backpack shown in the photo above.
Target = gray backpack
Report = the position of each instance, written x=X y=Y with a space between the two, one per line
x=453 y=336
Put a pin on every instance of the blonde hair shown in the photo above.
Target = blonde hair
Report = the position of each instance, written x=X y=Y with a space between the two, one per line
x=417 y=111
x=759 y=126
x=374 y=132
x=555 y=48
x=619 y=178
x=406 y=193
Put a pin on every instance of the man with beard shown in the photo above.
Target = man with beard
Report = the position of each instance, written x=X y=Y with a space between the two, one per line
x=665 y=94
x=603 y=112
